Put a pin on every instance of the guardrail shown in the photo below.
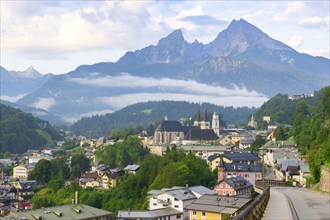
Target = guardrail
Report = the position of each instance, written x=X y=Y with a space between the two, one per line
x=256 y=209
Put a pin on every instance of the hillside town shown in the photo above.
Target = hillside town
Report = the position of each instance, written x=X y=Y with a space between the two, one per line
x=227 y=151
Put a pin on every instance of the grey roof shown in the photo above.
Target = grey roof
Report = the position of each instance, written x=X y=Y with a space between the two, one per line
x=133 y=167
x=238 y=182
x=294 y=162
x=243 y=167
x=218 y=204
x=183 y=193
x=201 y=190
x=148 y=214
x=212 y=157
x=201 y=134
x=169 y=126
x=71 y=211
x=241 y=156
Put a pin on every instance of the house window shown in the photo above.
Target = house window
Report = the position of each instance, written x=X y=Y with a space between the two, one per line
x=178 y=216
x=175 y=199
x=155 y=204
x=194 y=213
x=203 y=214
x=230 y=193
x=176 y=206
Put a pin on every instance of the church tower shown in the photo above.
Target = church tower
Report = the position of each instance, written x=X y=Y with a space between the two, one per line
x=216 y=123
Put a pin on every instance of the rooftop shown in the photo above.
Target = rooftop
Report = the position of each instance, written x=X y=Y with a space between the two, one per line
x=218 y=204
x=148 y=214
x=71 y=211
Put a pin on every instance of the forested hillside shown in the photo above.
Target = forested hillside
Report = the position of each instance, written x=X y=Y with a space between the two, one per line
x=310 y=120
x=281 y=109
x=20 y=131
x=311 y=131
x=146 y=113
x=176 y=168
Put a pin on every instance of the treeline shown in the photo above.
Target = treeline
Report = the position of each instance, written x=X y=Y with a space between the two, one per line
x=21 y=131
x=281 y=109
x=311 y=131
x=176 y=168
x=122 y=154
x=144 y=114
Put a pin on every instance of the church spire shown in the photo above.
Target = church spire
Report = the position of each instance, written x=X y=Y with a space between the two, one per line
x=205 y=115
x=198 y=116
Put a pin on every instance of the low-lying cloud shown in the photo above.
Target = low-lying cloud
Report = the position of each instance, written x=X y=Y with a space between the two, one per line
x=152 y=89
x=12 y=98
x=44 y=103
x=164 y=84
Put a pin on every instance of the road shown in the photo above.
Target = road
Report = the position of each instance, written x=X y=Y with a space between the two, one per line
x=308 y=204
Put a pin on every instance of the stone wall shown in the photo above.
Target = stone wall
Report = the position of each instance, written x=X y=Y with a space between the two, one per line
x=325 y=179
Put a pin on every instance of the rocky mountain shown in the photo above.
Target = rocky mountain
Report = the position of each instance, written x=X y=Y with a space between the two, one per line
x=16 y=84
x=242 y=64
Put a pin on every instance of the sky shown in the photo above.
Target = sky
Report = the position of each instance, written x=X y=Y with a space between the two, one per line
x=58 y=36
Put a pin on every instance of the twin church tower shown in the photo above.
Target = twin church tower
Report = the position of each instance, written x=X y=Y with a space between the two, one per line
x=205 y=124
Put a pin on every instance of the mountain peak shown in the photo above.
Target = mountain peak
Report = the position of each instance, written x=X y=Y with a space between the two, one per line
x=175 y=37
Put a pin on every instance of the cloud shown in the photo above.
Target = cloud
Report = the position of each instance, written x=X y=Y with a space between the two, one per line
x=204 y=20
x=165 y=84
x=296 y=41
x=311 y=21
x=122 y=101
x=44 y=103
x=12 y=98
x=292 y=8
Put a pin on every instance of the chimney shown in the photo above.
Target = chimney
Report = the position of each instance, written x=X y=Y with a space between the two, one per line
x=76 y=198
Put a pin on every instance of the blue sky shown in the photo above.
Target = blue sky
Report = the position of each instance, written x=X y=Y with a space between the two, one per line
x=58 y=36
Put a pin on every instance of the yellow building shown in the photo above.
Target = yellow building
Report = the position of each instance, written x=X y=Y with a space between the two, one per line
x=213 y=162
x=20 y=172
x=109 y=180
x=216 y=207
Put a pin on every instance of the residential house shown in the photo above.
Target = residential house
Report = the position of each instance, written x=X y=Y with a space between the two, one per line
x=245 y=143
x=109 y=180
x=250 y=171
x=213 y=161
x=90 y=180
x=210 y=207
x=239 y=157
x=226 y=140
x=20 y=172
x=25 y=189
x=100 y=141
x=295 y=169
x=164 y=213
x=176 y=198
x=132 y=169
x=234 y=186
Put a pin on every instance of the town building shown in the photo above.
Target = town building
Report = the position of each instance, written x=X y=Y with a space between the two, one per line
x=203 y=124
x=71 y=211
x=164 y=213
x=132 y=169
x=216 y=124
x=20 y=172
x=210 y=207
x=168 y=132
x=176 y=198
x=234 y=186
x=252 y=123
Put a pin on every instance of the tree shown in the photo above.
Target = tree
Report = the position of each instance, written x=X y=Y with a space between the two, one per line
x=280 y=133
x=42 y=171
x=257 y=143
x=79 y=164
